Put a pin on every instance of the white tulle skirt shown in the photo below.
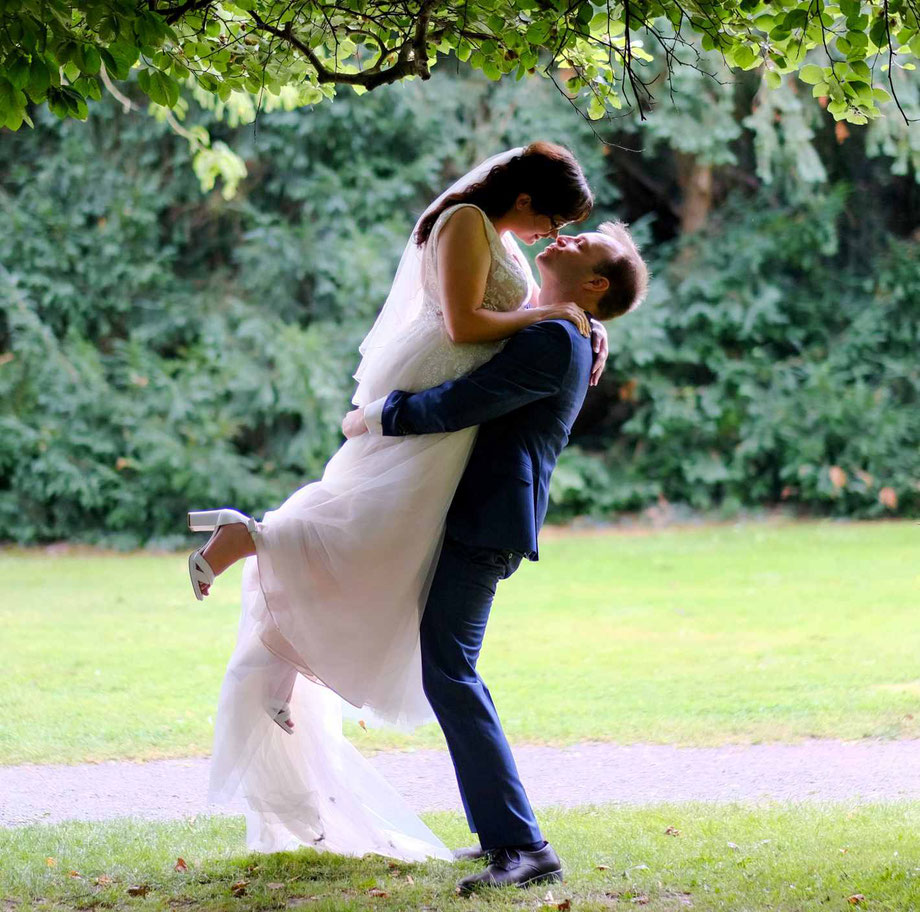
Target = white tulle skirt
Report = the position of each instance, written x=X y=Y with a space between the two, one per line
x=331 y=602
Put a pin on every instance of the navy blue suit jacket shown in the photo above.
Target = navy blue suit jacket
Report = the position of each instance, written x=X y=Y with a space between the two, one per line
x=525 y=400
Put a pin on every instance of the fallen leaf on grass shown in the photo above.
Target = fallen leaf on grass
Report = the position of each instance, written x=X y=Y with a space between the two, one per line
x=239 y=888
x=103 y=880
x=74 y=874
x=51 y=862
x=672 y=831
x=376 y=891
x=602 y=867
x=856 y=899
x=565 y=905
x=139 y=890
x=181 y=865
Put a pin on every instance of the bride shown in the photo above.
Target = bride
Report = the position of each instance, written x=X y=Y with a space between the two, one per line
x=336 y=578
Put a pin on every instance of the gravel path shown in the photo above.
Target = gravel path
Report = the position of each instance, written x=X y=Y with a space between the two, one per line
x=586 y=773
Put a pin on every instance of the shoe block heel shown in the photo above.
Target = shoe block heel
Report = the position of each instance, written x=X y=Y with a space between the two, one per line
x=203 y=520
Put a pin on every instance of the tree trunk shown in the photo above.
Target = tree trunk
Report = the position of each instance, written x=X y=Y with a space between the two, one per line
x=695 y=179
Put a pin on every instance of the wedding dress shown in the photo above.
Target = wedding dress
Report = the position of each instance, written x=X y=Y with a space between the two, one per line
x=336 y=590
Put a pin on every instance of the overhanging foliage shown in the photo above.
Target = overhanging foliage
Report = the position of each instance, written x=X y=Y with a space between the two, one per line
x=64 y=54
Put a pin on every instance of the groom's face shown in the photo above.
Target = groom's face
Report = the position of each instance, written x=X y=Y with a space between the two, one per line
x=571 y=259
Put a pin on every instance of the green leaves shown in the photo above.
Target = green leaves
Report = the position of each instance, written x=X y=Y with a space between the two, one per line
x=12 y=105
x=537 y=31
x=811 y=74
x=160 y=87
x=18 y=73
x=40 y=75
x=66 y=101
x=726 y=363
x=87 y=58
x=491 y=70
x=229 y=47
x=743 y=56
x=119 y=57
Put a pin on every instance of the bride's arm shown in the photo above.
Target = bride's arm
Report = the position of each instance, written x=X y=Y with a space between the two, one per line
x=464 y=258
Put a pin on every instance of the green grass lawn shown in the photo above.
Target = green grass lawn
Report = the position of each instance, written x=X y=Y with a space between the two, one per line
x=733 y=633
x=735 y=858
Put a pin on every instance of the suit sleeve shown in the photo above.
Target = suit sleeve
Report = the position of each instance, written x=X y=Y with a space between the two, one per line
x=531 y=366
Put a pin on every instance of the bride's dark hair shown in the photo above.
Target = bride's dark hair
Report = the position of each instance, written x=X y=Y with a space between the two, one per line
x=548 y=173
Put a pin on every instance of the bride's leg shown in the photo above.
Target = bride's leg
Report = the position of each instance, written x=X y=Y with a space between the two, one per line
x=228 y=545
x=281 y=687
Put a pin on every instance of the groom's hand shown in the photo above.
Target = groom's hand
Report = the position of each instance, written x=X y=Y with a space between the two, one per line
x=599 y=344
x=353 y=424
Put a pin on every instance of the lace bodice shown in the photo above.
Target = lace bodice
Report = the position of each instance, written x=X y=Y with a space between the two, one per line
x=508 y=283
x=424 y=354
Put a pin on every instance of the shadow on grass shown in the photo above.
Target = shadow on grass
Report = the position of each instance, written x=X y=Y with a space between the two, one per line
x=197 y=863
x=756 y=858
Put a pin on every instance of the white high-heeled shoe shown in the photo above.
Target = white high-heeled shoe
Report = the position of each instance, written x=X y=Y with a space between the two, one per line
x=280 y=714
x=199 y=570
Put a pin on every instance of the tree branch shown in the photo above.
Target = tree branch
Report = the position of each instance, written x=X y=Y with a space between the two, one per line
x=412 y=59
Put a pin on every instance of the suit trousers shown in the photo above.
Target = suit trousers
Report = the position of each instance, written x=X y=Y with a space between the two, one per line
x=452 y=628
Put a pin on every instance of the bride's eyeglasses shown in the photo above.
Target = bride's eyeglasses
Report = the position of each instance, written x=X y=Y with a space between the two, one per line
x=556 y=225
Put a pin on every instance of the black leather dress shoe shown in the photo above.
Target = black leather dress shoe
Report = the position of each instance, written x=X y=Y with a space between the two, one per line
x=516 y=867
x=471 y=853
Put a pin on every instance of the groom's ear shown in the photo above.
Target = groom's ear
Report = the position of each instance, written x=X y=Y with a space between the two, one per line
x=597 y=283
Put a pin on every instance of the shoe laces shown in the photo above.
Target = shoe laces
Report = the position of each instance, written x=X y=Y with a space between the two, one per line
x=505 y=858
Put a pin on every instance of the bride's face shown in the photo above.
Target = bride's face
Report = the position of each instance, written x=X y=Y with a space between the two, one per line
x=529 y=226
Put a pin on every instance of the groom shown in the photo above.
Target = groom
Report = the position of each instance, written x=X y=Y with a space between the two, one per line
x=525 y=400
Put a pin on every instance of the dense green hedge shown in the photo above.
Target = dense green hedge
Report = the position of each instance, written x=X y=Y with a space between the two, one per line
x=762 y=370
x=162 y=350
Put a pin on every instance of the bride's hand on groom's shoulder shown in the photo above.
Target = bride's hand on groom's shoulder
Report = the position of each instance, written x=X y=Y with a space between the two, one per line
x=564 y=310
x=353 y=424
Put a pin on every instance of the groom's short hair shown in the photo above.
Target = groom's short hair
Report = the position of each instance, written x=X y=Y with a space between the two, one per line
x=626 y=271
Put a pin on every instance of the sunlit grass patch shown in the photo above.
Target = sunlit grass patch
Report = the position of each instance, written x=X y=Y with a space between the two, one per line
x=665 y=857
x=731 y=633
